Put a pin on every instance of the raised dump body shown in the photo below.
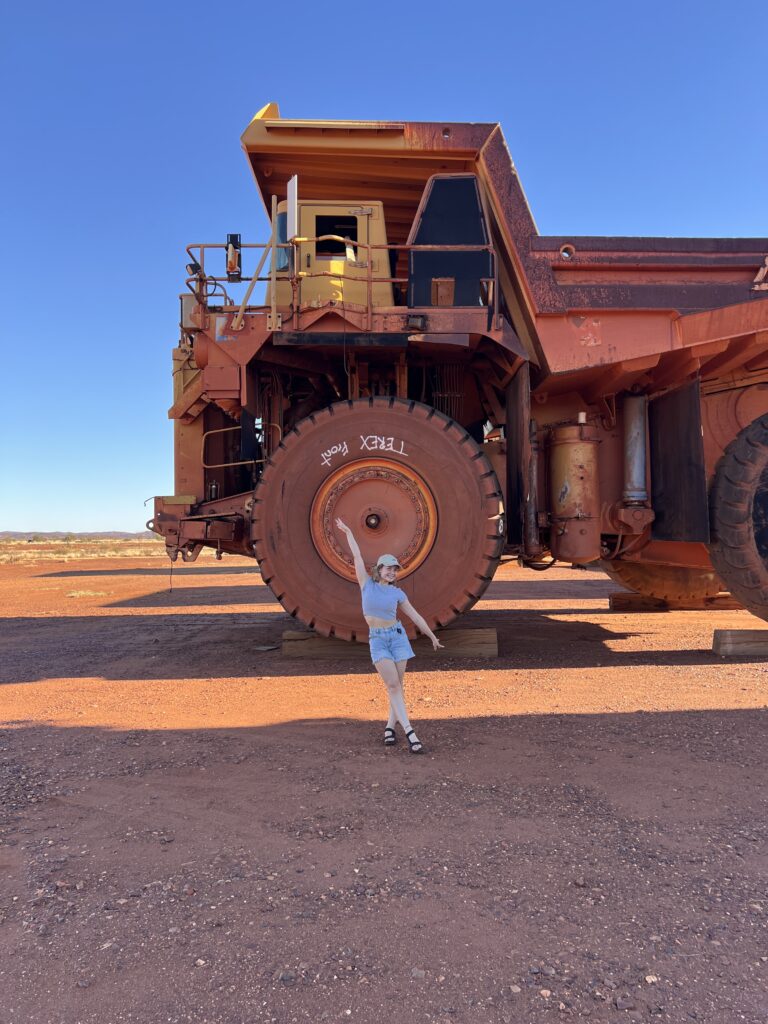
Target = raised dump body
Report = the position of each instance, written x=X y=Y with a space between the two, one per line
x=429 y=368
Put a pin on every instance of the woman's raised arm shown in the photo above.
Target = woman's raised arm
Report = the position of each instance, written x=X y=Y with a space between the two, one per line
x=354 y=547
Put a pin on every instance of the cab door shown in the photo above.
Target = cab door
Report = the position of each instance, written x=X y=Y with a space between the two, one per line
x=335 y=269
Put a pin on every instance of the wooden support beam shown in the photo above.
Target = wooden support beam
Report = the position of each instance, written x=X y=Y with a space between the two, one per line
x=741 y=643
x=458 y=643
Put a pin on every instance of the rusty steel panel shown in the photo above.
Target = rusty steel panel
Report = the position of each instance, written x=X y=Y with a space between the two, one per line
x=678 y=469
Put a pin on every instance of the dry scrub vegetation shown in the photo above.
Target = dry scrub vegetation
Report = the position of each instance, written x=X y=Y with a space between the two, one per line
x=23 y=552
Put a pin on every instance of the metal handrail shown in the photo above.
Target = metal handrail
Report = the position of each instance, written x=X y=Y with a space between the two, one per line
x=242 y=462
x=198 y=249
x=285 y=275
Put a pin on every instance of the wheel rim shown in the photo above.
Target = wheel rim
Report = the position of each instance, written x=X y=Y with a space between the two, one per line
x=389 y=507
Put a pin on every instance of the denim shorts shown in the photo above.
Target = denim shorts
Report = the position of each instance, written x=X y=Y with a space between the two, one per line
x=390 y=642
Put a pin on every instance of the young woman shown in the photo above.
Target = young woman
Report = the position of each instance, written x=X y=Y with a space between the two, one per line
x=390 y=647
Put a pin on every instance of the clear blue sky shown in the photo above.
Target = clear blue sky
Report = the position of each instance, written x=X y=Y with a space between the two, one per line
x=120 y=131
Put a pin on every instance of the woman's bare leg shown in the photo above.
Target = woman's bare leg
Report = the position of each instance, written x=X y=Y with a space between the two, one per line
x=392 y=673
x=400 y=666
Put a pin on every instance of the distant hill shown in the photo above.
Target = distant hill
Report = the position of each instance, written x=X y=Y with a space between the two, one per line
x=69 y=535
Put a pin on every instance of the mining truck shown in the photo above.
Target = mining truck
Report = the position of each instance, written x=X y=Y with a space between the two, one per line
x=407 y=352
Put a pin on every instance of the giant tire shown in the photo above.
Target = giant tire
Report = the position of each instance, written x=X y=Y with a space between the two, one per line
x=666 y=582
x=739 y=517
x=408 y=480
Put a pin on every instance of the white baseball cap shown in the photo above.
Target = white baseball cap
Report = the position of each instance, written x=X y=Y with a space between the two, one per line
x=388 y=560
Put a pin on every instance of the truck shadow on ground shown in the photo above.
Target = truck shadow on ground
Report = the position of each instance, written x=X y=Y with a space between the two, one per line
x=732 y=736
x=237 y=645
x=190 y=597
x=178 y=571
x=539 y=590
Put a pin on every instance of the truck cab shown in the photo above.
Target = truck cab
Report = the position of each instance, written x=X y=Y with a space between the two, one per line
x=342 y=253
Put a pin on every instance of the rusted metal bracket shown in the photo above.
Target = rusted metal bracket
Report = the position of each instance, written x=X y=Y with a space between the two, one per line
x=607 y=405
x=191 y=402
x=632 y=519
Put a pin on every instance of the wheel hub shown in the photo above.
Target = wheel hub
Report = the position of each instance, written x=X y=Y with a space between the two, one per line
x=388 y=506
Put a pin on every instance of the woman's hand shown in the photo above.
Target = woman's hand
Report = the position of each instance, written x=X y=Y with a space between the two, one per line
x=340 y=525
x=435 y=642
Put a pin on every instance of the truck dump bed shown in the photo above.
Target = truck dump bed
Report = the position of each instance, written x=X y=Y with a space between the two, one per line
x=577 y=303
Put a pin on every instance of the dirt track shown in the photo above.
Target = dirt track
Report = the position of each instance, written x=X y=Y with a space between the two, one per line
x=194 y=829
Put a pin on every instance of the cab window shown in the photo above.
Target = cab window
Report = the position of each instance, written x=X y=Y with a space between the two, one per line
x=282 y=261
x=335 y=224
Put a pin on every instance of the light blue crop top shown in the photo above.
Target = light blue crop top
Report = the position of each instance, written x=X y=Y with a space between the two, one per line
x=380 y=600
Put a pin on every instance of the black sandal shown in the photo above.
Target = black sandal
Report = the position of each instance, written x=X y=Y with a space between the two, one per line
x=417 y=747
x=390 y=737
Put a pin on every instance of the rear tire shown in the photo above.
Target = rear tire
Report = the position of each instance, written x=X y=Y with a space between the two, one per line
x=408 y=481
x=739 y=517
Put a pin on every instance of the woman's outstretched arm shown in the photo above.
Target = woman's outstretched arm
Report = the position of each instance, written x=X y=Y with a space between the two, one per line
x=354 y=547
x=420 y=622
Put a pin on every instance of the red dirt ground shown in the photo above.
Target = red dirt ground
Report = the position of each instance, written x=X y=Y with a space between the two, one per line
x=198 y=829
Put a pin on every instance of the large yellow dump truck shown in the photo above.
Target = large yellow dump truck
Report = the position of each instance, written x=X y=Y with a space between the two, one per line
x=425 y=365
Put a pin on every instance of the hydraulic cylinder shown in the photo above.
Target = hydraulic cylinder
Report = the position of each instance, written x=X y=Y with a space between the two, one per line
x=635 y=426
